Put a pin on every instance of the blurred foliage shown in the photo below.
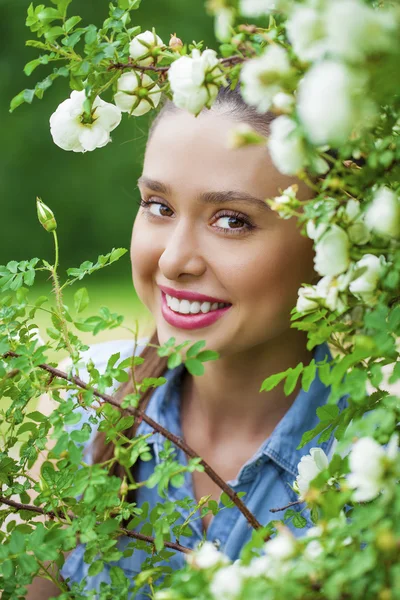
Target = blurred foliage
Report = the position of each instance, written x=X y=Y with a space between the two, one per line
x=93 y=195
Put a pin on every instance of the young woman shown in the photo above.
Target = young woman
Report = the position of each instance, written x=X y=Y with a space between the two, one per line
x=212 y=261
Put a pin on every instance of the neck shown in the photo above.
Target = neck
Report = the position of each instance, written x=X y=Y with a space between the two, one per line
x=227 y=397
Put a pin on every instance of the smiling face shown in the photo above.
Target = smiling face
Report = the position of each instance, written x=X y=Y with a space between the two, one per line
x=238 y=251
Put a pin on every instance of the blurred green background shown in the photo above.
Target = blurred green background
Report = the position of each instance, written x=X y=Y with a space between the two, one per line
x=93 y=195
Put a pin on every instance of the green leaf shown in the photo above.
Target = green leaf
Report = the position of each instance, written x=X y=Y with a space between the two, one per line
x=37 y=417
x=299 y=521
x=81 y=300
x=308 y=375
x=207 y=355
x=7 y=569
x=272 y=381
x=195 y=349
x=292 y=378
x=194 y=366
x=24 y=96
x=31 y=66
x=328 y=412
x=174 y=360
x=96 y=567
x=71 y=22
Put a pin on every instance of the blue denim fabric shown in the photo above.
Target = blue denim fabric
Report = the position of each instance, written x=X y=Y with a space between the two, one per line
x=265 y=477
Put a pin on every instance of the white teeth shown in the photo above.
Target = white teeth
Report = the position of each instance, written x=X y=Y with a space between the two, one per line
x=194 y=308
x=205 y=307
x=186 y=307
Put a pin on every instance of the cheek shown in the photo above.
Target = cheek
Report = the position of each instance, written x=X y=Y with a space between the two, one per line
x=143 y=260
x=269 y=275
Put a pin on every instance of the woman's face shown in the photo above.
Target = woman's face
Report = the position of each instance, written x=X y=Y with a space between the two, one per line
x=238 y=251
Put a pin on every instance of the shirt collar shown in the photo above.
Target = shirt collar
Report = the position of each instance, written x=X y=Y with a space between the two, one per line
x=281 y=446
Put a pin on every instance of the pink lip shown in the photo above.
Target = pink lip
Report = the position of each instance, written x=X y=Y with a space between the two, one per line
x=186 y=295
x=190 y=321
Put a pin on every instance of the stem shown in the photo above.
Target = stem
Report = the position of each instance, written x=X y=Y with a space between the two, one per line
x=179 y=442
x=59 y=299
x=127 y=532
x=274 y=510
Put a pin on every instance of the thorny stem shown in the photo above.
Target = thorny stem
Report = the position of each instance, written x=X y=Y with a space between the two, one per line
x=228 y=61
x=58 y=295
x=127 y=532
x=179 y=442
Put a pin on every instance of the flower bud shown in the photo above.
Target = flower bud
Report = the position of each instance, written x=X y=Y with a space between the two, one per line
x=244 y=135
x=45 y=216
x=175 y=43
x=123 y=490
x=145 y=48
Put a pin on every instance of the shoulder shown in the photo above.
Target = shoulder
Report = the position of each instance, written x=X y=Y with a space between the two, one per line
x=99 y=354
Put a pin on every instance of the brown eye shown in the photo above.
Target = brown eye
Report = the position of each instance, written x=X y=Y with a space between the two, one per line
x=156 y=212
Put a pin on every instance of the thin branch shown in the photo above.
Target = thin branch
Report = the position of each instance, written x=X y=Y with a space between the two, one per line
x=127 y=532
x=179 y=442
x=274 y=510
x=228 y=61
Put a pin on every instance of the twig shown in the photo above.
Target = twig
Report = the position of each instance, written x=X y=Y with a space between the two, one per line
x=229 y=60
x=127 y=532
x=274 y=510
x=179 y=442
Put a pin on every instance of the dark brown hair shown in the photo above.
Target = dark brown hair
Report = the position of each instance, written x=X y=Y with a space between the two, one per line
x=229 y=102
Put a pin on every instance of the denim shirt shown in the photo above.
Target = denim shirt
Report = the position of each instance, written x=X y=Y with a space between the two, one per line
x=265 y=478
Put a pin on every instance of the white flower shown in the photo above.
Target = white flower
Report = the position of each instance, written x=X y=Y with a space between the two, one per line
x=364 y=285
x=367 y=462
x=260 y=565
x=355 y=30
x=223 y=23
x=207 y=556
x=314 y=232
x=187 y=77
x=286 y=201
x=383 y=214
x=357 y=230
x=69 y=128
x=346 y=29
x=309 y=467
x=313 y=547
x=262 y=77
x=327 y=289
x=256 y=8
x=332 y=252
x=332 y=101
x=131 y=97
x=144 y=43
x=227 y=583
x=286 y=146
x=283 y=102
x=307 y=299
x=282 y=546
x=305 y=29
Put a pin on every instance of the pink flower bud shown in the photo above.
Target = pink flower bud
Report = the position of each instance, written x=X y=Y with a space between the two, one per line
x=175 y=43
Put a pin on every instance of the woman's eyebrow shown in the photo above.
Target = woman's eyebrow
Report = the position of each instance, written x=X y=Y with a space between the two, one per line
x=213 y=198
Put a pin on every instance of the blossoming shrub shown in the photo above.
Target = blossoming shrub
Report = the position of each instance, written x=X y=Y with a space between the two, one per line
x=329 y=70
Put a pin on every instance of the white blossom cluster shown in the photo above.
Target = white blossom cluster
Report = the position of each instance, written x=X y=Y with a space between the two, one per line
x=372 y=468
x=334 y=39
x=73 y=129
x=353 y=226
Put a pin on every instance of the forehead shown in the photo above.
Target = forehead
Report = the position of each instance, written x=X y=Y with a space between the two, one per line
x=190 y=154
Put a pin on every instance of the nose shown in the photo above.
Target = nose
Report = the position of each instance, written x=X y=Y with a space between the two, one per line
x=181 y=253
